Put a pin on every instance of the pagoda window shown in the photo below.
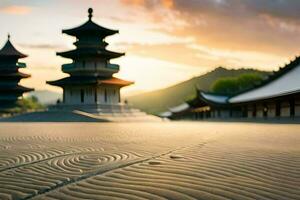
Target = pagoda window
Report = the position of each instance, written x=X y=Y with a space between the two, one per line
x=105 y=95
x=82 y=96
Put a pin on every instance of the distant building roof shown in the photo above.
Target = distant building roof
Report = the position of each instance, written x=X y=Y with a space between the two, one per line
x=284 y=82
x=180 y=108
x=9 y=50
x=166 y=114
x=90 y=27
x=214 y=98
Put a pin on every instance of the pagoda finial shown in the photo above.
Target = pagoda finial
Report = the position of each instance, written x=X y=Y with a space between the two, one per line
x=8 y=36
x=90 y=11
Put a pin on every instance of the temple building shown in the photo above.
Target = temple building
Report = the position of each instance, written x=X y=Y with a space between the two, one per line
x=90 y=83
x=10 y=76
x=278 y=97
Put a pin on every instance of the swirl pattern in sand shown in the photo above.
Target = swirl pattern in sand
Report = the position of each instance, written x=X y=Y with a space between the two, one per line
x=149 y=161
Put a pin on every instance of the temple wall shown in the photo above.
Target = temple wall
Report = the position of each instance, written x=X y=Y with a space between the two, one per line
x=271 y=110
x=237 y=114
x=225 y=114
x=259 y=112
x=285 y=109
x=250 y=111
x=214 y=114
x=73 y=95
x=297 y=108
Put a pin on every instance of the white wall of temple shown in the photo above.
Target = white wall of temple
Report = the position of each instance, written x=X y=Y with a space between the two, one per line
x=91 y=95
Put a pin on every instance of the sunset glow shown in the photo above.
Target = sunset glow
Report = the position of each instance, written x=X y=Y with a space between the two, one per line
x=166 y=41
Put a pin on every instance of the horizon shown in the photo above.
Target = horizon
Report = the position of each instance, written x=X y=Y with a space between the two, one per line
x=166 y=41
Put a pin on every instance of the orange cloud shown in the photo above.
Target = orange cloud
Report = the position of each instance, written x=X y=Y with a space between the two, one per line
x=165 y=3
x=16 y=10
x=133 y=2
x=168 y=3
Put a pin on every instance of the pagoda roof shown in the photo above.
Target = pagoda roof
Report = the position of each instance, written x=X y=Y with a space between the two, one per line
x=9 y=50
x=4 y=73
x=83 y=52
x=14 y=88
x=116 y=81
x=90 y=27
x=89 y=80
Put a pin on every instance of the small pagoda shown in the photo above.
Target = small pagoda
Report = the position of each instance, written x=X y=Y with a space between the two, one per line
x=90 y=81
x=10 y=76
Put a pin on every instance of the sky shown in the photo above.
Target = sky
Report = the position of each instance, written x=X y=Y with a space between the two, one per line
x=165 y=41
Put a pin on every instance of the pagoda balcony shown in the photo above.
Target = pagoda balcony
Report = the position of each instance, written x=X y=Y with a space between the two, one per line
x=113 y=66
x=21 y=65
x=79 y=67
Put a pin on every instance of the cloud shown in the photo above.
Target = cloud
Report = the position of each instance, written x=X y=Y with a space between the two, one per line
x=16 y=10
x=198 y=56
x=149 y=3
x=268 y=26
x=42 y=46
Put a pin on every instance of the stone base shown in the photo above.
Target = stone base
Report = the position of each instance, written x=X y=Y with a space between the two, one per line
x=86 y=113
x=120 y=112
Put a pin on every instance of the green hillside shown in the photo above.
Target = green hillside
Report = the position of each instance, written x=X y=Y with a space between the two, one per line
x=159 y=101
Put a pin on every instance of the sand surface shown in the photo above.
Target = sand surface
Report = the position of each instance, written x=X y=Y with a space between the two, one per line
x=187 y=160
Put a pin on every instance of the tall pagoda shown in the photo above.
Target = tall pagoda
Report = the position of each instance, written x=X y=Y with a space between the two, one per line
x=10 y=76
x=91 y=80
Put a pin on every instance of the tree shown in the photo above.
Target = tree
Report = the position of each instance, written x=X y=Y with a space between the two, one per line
x=27 y=104
x=234 y=85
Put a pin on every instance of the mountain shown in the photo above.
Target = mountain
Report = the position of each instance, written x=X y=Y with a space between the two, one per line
x=46 y=97
x=160 y=100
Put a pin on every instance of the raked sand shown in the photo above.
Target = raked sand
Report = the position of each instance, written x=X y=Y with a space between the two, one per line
x=149 y=161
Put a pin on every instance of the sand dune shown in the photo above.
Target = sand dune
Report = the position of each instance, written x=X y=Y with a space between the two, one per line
x=149 y=161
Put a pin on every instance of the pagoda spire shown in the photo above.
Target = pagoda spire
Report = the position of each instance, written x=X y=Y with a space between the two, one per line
x=8 y=36
x=90 y=11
